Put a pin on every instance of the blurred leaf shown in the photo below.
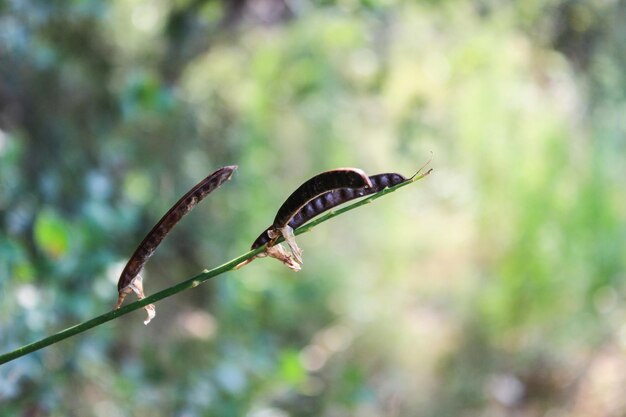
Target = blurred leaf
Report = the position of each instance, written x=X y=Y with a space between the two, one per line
x=291 y=369
x=52 y=233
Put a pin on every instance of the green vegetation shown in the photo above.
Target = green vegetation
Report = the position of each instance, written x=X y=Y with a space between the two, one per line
x=495 y=287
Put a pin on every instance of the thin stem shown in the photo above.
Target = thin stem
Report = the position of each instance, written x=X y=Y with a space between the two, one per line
x=189 y=283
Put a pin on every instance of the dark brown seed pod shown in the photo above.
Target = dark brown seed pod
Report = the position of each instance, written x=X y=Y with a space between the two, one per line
x=332 y=199
x=312 y=188
x=319 y=184
x=314 y=207
x=152 y=240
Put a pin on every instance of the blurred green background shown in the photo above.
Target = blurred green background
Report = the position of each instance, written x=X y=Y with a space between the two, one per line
x=493 y=287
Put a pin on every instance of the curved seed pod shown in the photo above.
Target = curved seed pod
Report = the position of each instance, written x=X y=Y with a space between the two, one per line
x=319 y=184
x=129 y=279
x=310 y=189
x=332 y=199
x=317 y=206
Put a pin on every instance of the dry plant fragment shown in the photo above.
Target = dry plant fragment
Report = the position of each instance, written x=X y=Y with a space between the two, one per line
x=136 y=286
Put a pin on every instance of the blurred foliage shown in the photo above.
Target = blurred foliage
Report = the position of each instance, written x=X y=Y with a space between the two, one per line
x=494 y=287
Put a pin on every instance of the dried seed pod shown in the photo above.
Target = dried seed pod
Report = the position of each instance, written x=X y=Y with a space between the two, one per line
x=129 y=280
x=318 y=205
x=319 y=184
x=309 y=190
x=331 y=199
x=334 y=198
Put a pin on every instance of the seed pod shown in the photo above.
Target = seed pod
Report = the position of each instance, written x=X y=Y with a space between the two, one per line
x=331 y=199
x=129 y=279
x=319 y=184
x=334 y=198
x=312 y=188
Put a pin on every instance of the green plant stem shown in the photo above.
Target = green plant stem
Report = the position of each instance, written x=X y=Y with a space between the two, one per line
x=189 y=283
